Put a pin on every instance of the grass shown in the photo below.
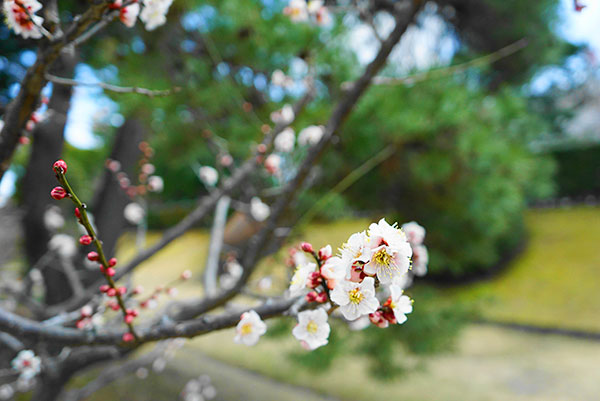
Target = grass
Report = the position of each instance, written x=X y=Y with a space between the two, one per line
x=555 y=281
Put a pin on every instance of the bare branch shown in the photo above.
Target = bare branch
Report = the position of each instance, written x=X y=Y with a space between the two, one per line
x=113 y=88
x=216 y=242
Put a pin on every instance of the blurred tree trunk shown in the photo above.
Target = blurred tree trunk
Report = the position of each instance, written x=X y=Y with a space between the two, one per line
x=110 y=199
x=46 y=148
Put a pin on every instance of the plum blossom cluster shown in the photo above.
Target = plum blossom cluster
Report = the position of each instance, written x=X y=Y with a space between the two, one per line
x=303 y=11
x=363 y=283
x=153 y=13
x=21 y=18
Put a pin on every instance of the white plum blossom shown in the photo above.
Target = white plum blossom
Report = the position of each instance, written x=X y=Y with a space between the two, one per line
x=297 y=10
x=63 y=245
x=356 y=249
x=27 y=364
x=208 y=175
x=134 y=213
x=284 y=142
x=6 y=392
x=155 y=183
x=53 y=218
x=414 y=232
x=280 y=79
x=250 y=328
x=355 y=299
x=233 y=271
x=310 y=135
x=19 y=20
x=400 y=304
x=298 y=282
x=154 y=13
x=403 y=281
x=259 y=210
x=334 y=268
x=284 y=116
x=128 y=15
x=420 y=258
x=312 y=329
x=390 y=252
x=273 y=164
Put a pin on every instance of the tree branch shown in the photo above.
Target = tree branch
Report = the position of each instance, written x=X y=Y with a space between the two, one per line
x=113 y=88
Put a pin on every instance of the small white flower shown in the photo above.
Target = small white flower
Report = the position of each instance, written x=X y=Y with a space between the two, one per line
x=297 y=10
x=310 y=135
x=280 y=79
x=334 y=268
x=420 y=258
x=401 y=304
x=6 y=392
x=134 y=213
x=63 y=245
x=154 y=13
x=250 y=328
x=312 y=329
x=284 y=142
x=355 y=299
x=155 y=183
x=258 y=210
x=298 y=282
x=284 y=116
x=53 y=218
x=19 y=21
x=27 y=364
x=390 y=252
x=415 y=233
x=128 y=15
x=208 y=175
x=273 y=163
x=356 y=249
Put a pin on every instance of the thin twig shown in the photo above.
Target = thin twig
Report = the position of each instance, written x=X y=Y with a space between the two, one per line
x=113 y=88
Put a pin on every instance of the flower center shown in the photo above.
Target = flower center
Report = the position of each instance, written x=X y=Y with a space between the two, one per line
x=312 y=327
x=382 y=258
x=246 y=328
x=355 y=296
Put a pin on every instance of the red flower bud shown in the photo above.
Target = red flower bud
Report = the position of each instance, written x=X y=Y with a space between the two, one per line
x=314 y=279
x=81 y=323
x=104 y=287
x=128 y=337
x=128 y=319
x=122 y=290
x=306 y=247
x=58 y=193
x=60 y=166
x=113 y=305
x=93 y=256
x=322 y=297
x=23 y=140
x=77 y=213
x=110 y=272
x=111 y=292
x=378 y=320
x=388 y=315
x=85 y=240
x=311 y=296
x=112 y=262
x=262 y=148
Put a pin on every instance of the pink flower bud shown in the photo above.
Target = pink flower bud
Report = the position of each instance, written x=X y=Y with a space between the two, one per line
x=128 y=319
x=80 y=324
x=306 y=247
x=378 y=320
x=86 y=311
x=93 y=256
x=104 y=287
x=110 y=272
x=122 y=290
x=111 y=292
x=321 y=297
x=58 y=193
x=113 y=305
x=311 y=296
x=60 y=166
x=388 y=315
x=112 y=262
x=85 y=240
x=132 y=312
x=138 y=290
x=23 y=140
x=325 y=253
x=262 y=148
x=186 y=275
x=77 y=213
x=128 y=337
x=314 y=279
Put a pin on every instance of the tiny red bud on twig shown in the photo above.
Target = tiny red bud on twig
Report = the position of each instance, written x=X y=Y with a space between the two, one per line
x=128 y=319
x=112 y=262
x=104 y=287
x=111 y=292
x=128 y=337
x=306 y=247
x=93 y=256
x=110 y=272
x=322 y=297
x=60 y=166
x=77 y=213
x=85 y=240
x=311 y=296
x=122 y=290
x=58 y=193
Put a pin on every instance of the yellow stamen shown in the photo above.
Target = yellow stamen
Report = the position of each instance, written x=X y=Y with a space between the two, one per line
x=355 y=296
x=246 y=328
x=312 y=327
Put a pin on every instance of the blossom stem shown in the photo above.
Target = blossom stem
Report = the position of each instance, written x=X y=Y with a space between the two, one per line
x=85 y=222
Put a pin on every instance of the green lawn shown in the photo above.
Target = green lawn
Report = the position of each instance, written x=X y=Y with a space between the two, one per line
x=555 y=282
